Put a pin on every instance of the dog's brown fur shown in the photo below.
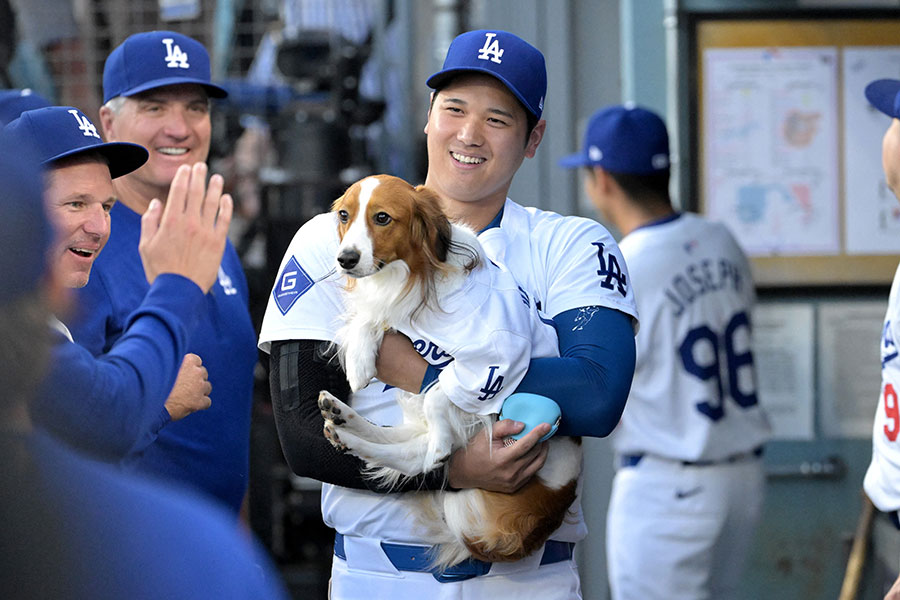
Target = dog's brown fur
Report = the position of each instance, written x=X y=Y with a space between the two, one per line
x=418 y=232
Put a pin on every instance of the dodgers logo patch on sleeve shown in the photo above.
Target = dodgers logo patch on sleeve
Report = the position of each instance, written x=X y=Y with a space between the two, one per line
x=292 y=283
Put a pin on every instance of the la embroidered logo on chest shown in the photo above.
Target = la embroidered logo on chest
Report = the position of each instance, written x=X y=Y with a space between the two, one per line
x=888 y=347
x=175 y=57
x=225 y=282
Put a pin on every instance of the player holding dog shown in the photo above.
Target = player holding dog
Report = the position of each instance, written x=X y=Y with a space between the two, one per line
x=688 y=491
x=484 y=120
x=882 y=481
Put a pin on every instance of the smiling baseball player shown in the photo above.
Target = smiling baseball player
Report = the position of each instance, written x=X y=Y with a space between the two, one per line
x=484 y=120
x=687 y=495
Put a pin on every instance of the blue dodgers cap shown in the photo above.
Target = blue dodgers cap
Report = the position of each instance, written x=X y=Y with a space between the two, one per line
x=509 y=58
x=25 y=232
x=153 y=59
x=57 y=132
x=14 y=102
x=884 y=94
x=624 y=139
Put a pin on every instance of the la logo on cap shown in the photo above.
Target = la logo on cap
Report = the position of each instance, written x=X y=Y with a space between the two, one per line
x=87 y=128
x=491 y=49
x=175 y=57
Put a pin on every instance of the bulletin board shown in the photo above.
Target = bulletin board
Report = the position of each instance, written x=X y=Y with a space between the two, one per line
x=789 y=149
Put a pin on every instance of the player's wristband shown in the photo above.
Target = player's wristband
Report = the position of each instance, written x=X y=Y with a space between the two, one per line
x=431 y=375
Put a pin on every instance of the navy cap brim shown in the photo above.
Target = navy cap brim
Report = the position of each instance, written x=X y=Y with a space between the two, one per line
x=575 y=160
x=882 y=94
x=122 y=157
x=212 y=90
x=439 y=78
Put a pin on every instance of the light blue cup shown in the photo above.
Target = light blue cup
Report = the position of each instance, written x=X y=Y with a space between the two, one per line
x=531 y=409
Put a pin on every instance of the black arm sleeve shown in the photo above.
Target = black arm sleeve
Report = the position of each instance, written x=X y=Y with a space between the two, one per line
x=299 y=370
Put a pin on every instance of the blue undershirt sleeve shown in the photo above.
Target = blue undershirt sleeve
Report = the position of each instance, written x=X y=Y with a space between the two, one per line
x=431 y=375
x=106 y=405
x=591 y=378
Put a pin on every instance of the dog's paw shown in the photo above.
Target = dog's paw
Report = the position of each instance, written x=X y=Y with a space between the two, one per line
x=331 y=434
x=330 y=408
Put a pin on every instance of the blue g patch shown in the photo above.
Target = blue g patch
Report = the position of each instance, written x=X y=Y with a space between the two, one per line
x=292 y=283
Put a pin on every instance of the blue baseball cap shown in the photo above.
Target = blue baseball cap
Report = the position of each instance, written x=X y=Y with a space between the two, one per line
x=153 y=59
x=509 y=58
x=14 y=102
x=624 y=139
x=60 y=131
x=884 y=94
x=25 y=231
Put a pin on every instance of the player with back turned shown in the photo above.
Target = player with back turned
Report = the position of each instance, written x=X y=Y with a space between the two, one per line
x=688 y=489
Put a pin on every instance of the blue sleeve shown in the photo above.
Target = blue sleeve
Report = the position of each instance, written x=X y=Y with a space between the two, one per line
x=108 y=404
x=591 y=378
x=431 y=375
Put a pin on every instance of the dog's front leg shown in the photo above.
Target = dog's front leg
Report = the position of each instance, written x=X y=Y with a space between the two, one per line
x=391 y=452
x=436 y=407
x=361 y=344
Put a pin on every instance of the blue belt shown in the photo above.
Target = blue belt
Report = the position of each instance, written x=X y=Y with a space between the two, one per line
x=408 y=557
x=632 y=460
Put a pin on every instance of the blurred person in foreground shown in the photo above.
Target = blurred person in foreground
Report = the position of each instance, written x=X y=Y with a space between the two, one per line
x=14 y=102
x=74 y=528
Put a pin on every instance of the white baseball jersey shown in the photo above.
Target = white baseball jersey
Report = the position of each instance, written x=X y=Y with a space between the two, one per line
x=561 y=263
x=693 y=397
x=492 y=330
x=882 y=481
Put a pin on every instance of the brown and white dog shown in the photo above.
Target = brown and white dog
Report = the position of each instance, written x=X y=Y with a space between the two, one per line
x=403 y=257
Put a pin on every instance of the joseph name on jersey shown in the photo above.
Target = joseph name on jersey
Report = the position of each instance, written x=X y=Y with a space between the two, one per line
x=703 y=277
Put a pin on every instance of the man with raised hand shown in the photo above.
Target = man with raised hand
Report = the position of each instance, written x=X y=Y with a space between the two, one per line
x=156 y=88
x=113 y=406
x=72 y=527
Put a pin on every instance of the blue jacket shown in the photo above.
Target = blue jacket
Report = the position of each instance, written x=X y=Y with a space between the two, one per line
x=80 y=530
x=107 y=406
x=208 y=450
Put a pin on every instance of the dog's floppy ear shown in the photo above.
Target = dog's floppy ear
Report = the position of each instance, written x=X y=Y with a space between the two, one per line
x=342 y=202
x=431 y=225
x=338 y=201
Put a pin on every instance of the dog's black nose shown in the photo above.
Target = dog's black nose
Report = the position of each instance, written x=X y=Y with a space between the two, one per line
x=348 y=259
